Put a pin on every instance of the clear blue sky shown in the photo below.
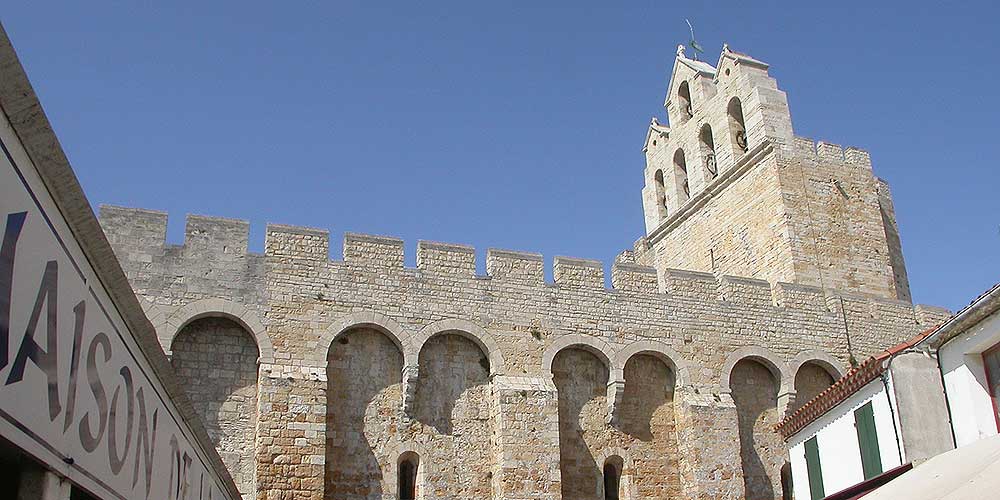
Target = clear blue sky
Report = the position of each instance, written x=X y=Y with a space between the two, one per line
x=503 y=127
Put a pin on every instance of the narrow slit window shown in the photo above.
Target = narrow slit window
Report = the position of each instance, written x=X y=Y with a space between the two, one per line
x=612 y=480
x=408 y=477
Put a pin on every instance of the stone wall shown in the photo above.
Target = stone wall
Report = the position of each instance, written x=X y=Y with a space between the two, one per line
x=450 y=430
x=362 y=423
x=649 y=429
x=804 y=212
x=888 y=210
x=737 y=232
x=762 y=451
x=216 y=363
x=834 y=205
x=452 y=423
x=581 y=380
x=299 y=305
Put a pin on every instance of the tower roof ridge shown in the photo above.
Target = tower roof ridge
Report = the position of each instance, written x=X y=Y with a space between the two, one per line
x=699 y=66
x=739 y=56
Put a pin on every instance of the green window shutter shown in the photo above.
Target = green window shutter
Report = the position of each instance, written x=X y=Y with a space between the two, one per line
x=813 y=470
x=864 y=422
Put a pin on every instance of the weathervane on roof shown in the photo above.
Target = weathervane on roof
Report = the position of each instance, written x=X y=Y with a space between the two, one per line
x=693 y=43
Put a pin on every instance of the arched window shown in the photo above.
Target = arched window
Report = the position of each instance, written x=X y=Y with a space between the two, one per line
x=681 y=171
x=708 y=151
x=612 y=478
x=737 y=127
x=684 y=101
x=661 y=194
x=407 y=480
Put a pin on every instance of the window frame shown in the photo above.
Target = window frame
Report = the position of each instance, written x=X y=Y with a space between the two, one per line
x=814 y=469
x=871 y=462
x=989 y=384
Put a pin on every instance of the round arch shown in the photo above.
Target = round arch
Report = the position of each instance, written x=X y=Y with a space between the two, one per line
x=661 y=351
x=777 y=367
x=594 y=345
x=158 y=318
x=371 y=319
x=614 y=451
x=171 y=325
x=478 y=335
x=823 y=359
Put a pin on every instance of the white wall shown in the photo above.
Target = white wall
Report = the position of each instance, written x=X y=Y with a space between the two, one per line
x=965 y=381
x=837 y=440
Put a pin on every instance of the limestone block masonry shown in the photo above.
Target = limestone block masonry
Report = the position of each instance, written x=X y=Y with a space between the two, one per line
x=377 y=380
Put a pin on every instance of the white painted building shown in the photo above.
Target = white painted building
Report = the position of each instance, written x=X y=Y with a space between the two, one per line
x=838 y=444
x=922 y=398
x=857 y=434
x=968 y=349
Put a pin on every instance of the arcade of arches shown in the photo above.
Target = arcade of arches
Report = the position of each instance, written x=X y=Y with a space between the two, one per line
x=449 y=437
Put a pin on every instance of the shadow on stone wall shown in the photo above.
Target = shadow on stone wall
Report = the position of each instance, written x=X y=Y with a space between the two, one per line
x=647 y=420
x=755 y=393
x=810 y=380
x=363 y=397
x=649 y=384
x=581 y=380
x=450 y=365
x=216 y=363
x=453 y=424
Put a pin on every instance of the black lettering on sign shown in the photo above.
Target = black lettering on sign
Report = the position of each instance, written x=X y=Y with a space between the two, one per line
x=87 y=438
x=180 y=464
x=15 y=222
x=144 y=442
x=115 y=460
x=45 y=359
x=184 y=472
x=80 y=312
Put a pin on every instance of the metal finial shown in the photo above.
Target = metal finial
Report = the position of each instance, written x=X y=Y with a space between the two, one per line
x=694 y=43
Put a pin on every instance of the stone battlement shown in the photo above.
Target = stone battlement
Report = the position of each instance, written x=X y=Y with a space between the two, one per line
x=217 y=238
x=831 y=152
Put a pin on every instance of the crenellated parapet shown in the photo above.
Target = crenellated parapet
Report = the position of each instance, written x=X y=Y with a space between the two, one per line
x=139 y=234
x=446 y=258
x=213 y=262
x=515 y=266
x=691 y=319
x=820 y=150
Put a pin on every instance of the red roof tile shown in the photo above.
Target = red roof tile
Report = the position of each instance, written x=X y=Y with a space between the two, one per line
x=844 y=387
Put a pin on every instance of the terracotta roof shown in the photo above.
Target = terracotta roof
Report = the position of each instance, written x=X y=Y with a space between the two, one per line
x=844 y=387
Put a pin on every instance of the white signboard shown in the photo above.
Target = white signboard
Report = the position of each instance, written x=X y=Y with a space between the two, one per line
x=75 y=390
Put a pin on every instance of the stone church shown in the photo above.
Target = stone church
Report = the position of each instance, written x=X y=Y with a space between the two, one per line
x=769 y=265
